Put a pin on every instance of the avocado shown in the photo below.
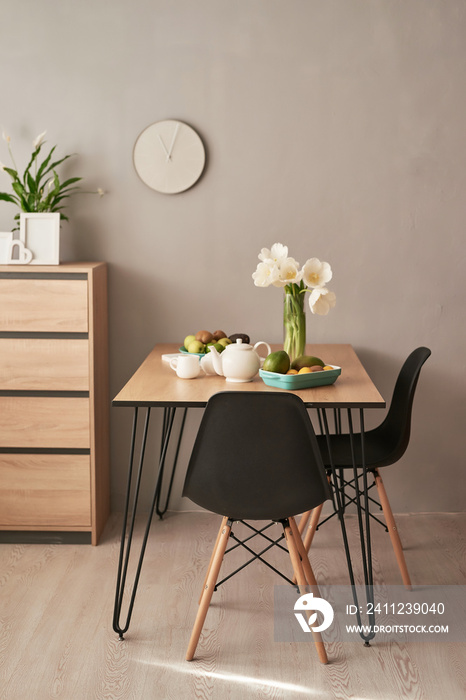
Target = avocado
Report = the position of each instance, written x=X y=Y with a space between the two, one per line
x=306 y=361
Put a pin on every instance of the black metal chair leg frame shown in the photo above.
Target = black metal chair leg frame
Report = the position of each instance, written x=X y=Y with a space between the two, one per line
x=256 y=555
x=352 y=500
x=126 y=541
x=161 y=510
x=365 y=539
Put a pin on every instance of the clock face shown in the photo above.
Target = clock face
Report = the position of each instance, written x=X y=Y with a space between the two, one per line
x=169 y=156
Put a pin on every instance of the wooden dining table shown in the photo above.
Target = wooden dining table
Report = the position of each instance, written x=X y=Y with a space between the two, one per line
x=155 y=385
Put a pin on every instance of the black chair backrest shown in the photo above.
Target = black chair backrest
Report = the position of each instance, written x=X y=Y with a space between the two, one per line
x=256 y=458
x=395 y=430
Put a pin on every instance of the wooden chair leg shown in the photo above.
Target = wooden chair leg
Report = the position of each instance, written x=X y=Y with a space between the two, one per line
x=392 y=530
x=305 y=563
x=224 y=522
x=315 y=517
x=303 y=521
x=209 y=586
x=311 y=530
x=299 y=573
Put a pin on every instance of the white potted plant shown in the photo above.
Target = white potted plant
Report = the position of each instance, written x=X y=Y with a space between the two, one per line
x=40 y=196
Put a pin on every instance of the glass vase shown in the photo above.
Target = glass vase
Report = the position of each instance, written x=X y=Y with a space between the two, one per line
x=294 y=325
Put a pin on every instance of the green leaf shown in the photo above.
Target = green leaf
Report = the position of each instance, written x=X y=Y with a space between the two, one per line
x=28 y=167
x=52 y=166
x=12 y=173
x=70 y=182
x=56 y=185
x=32 y=202
x=31 y=183
x=69 y=191
x=19 y=189
x=8 y=198
x=44 y=164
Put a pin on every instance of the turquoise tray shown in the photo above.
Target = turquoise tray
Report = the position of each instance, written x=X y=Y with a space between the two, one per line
x=300 y=381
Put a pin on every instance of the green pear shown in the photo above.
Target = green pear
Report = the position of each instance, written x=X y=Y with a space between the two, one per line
x=196 y=346
x=188 y=340
x=224 y=342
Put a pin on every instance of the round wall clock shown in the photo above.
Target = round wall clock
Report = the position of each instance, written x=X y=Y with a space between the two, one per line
x=169 y=156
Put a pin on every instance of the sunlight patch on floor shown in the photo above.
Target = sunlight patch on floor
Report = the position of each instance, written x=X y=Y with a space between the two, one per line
x=190 y=669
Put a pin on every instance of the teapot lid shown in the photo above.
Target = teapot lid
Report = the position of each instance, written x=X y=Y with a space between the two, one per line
x=239 y=345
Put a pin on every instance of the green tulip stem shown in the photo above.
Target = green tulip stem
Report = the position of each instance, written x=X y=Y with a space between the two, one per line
x=294 y=322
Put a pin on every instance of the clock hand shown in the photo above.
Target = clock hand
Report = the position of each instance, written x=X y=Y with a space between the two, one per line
x=164 y=148
x=169 y=154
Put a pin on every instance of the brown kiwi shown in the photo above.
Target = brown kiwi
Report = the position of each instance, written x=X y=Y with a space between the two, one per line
x=204 y=336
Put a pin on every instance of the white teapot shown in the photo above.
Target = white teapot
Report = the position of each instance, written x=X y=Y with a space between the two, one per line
x=239 y=362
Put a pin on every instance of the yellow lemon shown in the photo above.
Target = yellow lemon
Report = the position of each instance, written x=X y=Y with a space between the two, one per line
x=305 y=370
x=292 y=371
x=327 y=367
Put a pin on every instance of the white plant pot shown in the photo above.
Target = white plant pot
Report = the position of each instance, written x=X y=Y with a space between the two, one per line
x=40 y=234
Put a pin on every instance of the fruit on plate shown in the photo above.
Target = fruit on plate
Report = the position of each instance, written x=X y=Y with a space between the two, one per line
x=278 y=361
x=199 y=342
x=224 y=342
x=292 y=371
x=188 y=340
x=239 y=336
x=219 y=334
x=204 y=336
x=196 y=346
x=218 y=346
x=306 y=361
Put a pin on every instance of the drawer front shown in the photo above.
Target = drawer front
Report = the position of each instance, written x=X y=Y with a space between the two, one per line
x=44 y=491
x=44 y=364
x=36 y=421
x=43 y=305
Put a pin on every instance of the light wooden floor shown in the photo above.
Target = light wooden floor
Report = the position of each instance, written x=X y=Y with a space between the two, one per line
x=56 y=638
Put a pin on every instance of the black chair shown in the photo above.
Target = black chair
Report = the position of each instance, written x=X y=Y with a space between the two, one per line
x=383 y=446
x=256 y=458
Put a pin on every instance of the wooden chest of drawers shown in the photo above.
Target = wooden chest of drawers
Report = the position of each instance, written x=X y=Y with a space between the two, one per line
x=54 y=407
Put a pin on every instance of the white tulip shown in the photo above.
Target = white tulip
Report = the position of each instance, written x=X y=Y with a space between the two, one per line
x=266 y=273
x=6 y=137
x=278 y=253
x=288 y=273
x=321 y=301
x=316 y=273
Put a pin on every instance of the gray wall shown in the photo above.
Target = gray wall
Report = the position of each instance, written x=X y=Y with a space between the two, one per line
x=334 y=126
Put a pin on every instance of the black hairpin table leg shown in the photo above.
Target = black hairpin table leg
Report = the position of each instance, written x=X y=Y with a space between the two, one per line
x=161 y=510
x=126 y=539
x=364 y=528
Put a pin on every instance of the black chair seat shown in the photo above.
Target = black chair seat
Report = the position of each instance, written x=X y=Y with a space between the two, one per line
x=380 y=450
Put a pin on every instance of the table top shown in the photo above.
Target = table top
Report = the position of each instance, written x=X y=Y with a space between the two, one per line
x=156 y=384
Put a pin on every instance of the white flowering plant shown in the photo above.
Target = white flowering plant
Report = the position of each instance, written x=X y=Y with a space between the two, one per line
x=39 y=189
x=278 y=269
